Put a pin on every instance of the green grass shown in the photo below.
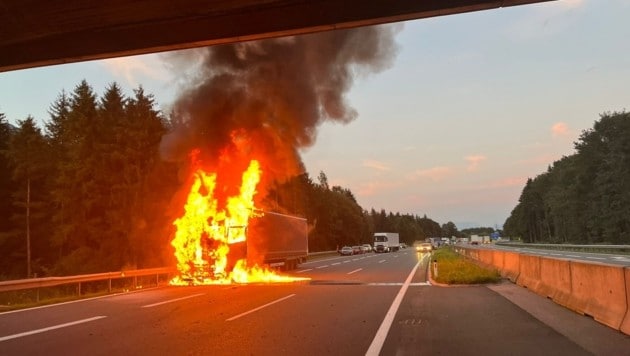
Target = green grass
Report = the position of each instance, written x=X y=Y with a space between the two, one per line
x=456 y=269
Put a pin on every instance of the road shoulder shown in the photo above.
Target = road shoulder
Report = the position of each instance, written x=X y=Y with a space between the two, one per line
x=582 y=330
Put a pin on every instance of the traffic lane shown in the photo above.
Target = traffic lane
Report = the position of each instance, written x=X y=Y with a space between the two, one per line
x=374 y=268
x=147 y=328
x=471 y=320
x=319 y=320
x=41 y=317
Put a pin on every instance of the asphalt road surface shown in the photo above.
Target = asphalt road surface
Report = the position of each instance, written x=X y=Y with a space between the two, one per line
x=353 y=305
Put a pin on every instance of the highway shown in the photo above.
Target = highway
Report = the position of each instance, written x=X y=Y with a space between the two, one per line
x=353 y=305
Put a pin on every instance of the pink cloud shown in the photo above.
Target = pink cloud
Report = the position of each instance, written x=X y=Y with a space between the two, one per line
x=379 y=166
x=474 y=161
x=435 y=174
x=559 y=129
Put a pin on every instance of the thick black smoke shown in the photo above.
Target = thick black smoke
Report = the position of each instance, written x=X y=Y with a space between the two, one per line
x=265 y=99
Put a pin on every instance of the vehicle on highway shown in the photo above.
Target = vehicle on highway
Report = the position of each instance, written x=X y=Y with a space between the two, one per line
x=356 y=250
x=346 y=251
x=366 y=248
x=386 y=242
x=423 y=246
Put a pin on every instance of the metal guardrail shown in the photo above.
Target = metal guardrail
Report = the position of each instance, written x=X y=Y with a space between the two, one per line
x=38 y=284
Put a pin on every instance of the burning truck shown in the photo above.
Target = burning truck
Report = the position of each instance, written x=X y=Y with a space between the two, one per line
x=272 y=241
x=221 y=241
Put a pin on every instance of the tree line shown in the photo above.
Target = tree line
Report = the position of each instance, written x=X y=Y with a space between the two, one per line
x=89 y=193
x=583 y=198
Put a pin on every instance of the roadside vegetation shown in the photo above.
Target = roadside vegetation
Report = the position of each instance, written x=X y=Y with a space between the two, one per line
x=456 y=269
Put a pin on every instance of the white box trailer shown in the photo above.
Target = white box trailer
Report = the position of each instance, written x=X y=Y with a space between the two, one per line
x=386 y=241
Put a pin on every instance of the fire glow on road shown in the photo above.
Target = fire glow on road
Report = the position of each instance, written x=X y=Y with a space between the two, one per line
x=260 y=307
x=32 y=332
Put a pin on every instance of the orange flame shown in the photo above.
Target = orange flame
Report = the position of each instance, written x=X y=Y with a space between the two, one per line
x=205 y=233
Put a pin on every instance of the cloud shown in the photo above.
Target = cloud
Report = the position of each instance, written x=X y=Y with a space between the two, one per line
x=373 y=188
x=379 y=166
x=435 y=174
x=131 y=69
x=474 y=161
x=559 y=129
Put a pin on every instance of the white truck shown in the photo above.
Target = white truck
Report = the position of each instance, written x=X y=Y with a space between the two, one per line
x=386 y=241
x=476 y=240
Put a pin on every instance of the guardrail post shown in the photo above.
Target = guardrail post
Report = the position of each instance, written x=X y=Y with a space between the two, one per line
x=435 y=268
x=135 y=282
x=109 y=285
x=79 y=289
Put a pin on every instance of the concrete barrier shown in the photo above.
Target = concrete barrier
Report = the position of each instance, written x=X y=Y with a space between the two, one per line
x=555 y=280
x=485 y=257
x=599 y=291
x=497 y=259
x=511 y=266
x=529 y=267
x=625 y=324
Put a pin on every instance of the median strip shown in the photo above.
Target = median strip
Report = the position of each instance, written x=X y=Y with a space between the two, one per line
x=260 y=307
x=32 y=332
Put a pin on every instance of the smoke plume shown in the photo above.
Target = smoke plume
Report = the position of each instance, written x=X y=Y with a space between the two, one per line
x=265 y=99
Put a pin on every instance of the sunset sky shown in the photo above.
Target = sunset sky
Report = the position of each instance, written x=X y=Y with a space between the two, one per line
x=472 y=105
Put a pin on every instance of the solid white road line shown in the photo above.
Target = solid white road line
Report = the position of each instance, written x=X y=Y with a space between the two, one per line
x=27 y=333
x=356 y=270
x=383 y=330
x=260 y=307
x=172 y=300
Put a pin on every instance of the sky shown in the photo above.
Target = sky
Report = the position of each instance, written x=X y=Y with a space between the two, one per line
x=472 y=106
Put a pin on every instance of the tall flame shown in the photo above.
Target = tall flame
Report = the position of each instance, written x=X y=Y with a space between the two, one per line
x=205 y=233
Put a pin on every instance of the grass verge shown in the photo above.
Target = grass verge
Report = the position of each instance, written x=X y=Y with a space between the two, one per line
x=456 y=269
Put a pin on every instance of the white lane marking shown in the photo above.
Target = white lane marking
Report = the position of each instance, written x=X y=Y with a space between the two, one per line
x=395 y=256
x=595 y=258
x=346 y=261
x=336 y=263
x=324 y=266
x=381 y=261
x=574 y=256
x=304 y=270
x=171 y=300
x=355 y=271
x=27 y=333
x=383 y=330
x=398 y=284
x=260 y=307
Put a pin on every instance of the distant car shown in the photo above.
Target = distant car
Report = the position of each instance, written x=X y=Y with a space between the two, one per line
x=367 y=247
x=356 y=250
x=346 y=251
x=423 y=247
